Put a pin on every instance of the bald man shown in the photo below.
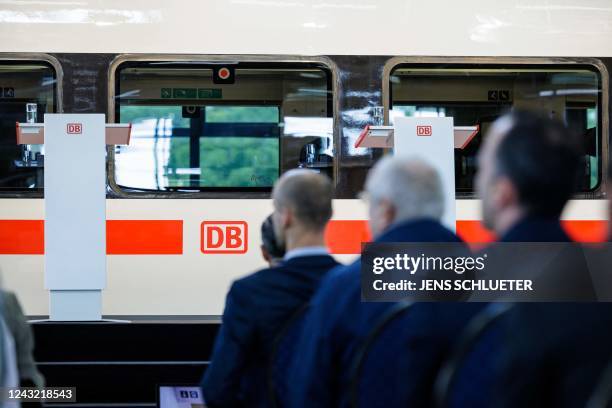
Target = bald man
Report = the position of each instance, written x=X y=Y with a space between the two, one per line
x=258 y=305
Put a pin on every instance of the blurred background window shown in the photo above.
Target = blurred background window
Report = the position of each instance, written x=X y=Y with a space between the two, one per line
x=477 y=95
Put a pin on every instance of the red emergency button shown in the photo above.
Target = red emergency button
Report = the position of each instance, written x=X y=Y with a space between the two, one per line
x=224 y=73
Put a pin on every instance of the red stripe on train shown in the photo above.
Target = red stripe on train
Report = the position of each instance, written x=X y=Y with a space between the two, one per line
x=165 y=237
x=346 y=236
x=144 y=237
x=123 y=237
x=19 y=237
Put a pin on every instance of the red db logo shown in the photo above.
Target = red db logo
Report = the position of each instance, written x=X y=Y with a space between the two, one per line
x=424 y=130
x=74 y=128
x=225 y=237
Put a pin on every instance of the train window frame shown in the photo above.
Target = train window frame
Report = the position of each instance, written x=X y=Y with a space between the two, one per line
x=592 y=64
x=53 y=63
x=117 y=191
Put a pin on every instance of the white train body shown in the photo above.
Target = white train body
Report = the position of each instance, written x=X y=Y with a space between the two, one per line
x=192 y=282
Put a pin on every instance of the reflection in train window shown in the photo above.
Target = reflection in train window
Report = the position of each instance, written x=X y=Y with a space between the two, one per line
x=193 y=130
x=23 y=84
x=477 y=95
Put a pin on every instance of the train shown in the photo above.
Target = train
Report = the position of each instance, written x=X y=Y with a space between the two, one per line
x=225 y=95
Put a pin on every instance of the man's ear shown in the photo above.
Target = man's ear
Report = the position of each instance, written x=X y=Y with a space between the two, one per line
x=388 y=212
x=505 y=193
x=286 y=217
x=264 y=253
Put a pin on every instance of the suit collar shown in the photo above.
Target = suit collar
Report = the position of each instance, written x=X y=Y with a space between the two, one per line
x=298 y=261
x=410 y=230
x=536 y=229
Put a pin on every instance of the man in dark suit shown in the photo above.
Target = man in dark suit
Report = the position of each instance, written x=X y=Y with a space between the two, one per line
x=552 y=353
x=258 y=305
x=405 y=205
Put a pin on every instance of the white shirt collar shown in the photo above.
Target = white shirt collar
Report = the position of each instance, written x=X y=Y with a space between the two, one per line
x=305 y=251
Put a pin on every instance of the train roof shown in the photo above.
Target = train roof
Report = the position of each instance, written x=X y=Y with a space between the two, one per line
x=310 y=27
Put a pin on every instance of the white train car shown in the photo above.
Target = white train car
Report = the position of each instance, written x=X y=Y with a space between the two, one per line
x=225 y=95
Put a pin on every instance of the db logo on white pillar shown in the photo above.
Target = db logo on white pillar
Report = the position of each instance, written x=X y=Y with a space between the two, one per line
x=424 y=130
x=225 y=237
x=74 y=128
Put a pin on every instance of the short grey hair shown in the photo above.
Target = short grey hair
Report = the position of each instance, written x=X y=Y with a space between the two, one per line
x=308 y=193
x=411 y=184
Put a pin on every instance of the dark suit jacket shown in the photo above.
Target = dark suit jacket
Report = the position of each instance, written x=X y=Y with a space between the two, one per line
x=536 y=229
x=256 y=308
x=338 y=322
x=558 y=270
x=553 y=352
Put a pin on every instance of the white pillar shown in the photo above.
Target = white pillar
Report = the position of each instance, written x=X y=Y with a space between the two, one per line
x=433 y=140
x=75 y=215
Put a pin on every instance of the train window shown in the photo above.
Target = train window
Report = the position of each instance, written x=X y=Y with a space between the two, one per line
x=22 y=84
x=200 y=127
x=478 y=94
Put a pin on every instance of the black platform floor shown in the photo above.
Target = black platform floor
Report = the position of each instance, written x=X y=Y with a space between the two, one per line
x=120 y=364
